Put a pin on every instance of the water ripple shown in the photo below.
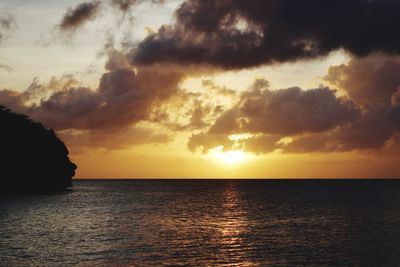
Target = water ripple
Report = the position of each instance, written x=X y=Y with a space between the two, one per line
x=204 y=223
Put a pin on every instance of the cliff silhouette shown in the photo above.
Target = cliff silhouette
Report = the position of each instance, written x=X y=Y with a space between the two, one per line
x=32 y=157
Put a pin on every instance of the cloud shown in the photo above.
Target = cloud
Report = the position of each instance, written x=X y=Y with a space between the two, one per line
x=191 y=109
x=76 y=17
x=317 y=120
x=12 y=99
x=207 y=141
x=232 y=35
x=370 y=81
x=236 y=34
x=112 y=139
x=373 y=83
x=126 y=5
x=268 y=116
x=86 y=11
x=124 y=98
x=261 y=143
x=372 y=131
x=184 y=111
x=221 y=90
x=286 y=112
x=123 y=5
x=6 y=67
x=7 y=26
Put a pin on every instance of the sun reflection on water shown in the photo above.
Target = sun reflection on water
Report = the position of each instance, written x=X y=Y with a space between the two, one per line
x=232 y=227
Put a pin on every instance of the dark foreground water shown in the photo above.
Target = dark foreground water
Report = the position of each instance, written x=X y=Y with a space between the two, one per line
x=199 y=223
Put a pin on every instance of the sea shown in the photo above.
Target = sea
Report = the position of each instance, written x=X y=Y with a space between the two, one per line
x=205 y=223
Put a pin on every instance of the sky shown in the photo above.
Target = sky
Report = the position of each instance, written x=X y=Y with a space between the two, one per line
x=210 y=89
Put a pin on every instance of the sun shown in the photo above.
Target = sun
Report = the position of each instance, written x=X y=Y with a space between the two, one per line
x=231 y=157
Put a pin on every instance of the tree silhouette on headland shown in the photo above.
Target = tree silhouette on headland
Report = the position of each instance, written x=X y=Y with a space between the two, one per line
x=32 y=157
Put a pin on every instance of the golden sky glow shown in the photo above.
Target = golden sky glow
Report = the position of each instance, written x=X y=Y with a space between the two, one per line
x=192 y=120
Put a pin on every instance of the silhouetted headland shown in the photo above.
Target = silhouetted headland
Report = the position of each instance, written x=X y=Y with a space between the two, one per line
x=33 y=158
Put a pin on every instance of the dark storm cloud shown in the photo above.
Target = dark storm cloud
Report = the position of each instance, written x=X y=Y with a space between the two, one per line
x=75 y=17
x=239 y=34
x=7 y=26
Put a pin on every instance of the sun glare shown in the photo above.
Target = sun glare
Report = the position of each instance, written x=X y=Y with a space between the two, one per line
x=230 y=157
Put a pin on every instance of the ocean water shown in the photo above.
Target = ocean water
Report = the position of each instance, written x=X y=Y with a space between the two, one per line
x=204 y=223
